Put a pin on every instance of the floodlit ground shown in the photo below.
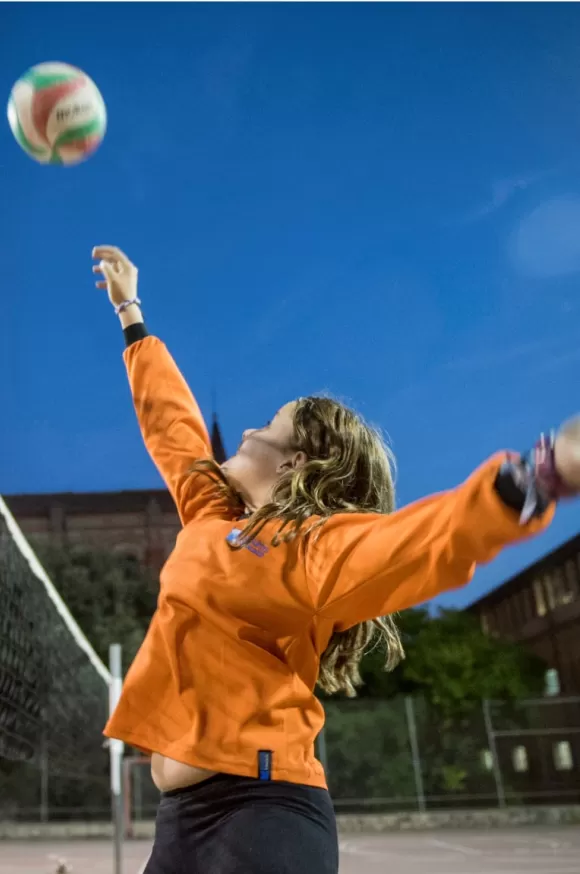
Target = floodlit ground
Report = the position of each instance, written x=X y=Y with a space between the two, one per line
x=517 y=851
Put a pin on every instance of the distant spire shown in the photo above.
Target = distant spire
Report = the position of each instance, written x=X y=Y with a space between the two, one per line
x=217 y=443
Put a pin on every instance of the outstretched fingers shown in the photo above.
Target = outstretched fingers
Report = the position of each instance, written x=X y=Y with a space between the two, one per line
x=100 y=283
x=111 y=254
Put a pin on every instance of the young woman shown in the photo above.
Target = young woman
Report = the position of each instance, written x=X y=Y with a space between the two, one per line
x=287 y=556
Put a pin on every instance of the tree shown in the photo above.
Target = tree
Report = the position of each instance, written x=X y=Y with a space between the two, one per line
x=111 y=596
x=450 y=667
x=367 y=746
x=453 y=664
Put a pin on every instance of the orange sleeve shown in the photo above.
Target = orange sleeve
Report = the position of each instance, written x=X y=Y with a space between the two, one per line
x=170 y=420
x=364 y=566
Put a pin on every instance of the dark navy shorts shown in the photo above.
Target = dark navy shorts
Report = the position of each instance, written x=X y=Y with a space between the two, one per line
x=240 y=825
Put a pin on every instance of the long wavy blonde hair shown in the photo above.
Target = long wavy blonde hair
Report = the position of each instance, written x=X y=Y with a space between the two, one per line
x=349 y=469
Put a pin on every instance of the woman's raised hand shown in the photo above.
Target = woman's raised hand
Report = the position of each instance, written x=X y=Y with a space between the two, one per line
x=118 y=274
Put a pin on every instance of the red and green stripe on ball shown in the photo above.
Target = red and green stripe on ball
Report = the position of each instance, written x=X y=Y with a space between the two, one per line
x=84 y=139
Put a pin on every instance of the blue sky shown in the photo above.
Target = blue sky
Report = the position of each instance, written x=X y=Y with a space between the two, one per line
x=381 y=201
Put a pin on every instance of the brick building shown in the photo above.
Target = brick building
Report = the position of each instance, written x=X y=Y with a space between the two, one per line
x=539 y=754
x=540 y=608
x=143 y=523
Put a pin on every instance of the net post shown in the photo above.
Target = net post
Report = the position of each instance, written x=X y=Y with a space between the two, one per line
x=116 y=749
x=127 y=799
x=499 y=787
x=415 y=754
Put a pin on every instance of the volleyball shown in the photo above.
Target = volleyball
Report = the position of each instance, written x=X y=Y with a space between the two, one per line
x=57 y=114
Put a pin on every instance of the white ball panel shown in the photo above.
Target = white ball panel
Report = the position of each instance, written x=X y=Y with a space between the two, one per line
x=22 y=95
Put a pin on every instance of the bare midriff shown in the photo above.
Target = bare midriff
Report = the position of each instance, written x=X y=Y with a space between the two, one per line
x=168 y=774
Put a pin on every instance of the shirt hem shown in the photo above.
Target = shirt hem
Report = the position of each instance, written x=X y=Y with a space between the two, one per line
x=236 y=769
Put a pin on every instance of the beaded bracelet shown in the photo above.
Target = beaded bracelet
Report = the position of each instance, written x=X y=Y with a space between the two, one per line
x=126 y=304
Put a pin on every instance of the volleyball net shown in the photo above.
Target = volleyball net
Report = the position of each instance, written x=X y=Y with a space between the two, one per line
x=55 y=694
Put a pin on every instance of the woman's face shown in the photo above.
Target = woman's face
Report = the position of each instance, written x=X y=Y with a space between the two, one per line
x=262 y=457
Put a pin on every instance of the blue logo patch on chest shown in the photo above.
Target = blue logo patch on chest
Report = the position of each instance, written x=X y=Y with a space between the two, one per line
x=256 y=547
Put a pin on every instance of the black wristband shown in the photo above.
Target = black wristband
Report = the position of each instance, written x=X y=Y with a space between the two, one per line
x=134 y=333
x=516 y=486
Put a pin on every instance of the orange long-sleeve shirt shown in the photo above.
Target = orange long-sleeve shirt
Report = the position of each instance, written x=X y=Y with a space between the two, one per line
x=230 y=661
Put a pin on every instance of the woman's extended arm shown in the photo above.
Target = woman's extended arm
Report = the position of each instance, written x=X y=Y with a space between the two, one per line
x=364 y=566
x=170 y=420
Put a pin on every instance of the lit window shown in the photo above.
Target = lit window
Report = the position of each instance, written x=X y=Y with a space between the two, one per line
x=562 y=752
x=539 y=598
x=551 y=682
x=520 y=760
x=486 y=760
x=550 y=591
x=568 y=593
x=558 y=590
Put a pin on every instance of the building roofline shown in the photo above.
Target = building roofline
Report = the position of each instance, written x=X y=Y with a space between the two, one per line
x=87 y=503
x=562 y=552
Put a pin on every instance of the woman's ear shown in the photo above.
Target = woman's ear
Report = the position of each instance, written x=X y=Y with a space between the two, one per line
x=299 y=460
x=296 y=462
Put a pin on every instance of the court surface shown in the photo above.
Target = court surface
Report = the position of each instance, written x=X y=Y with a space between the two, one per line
x=517 y=851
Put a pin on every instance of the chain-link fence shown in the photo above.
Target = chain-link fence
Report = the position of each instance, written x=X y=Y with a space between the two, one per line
x=379 y=756
x=401 y=755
